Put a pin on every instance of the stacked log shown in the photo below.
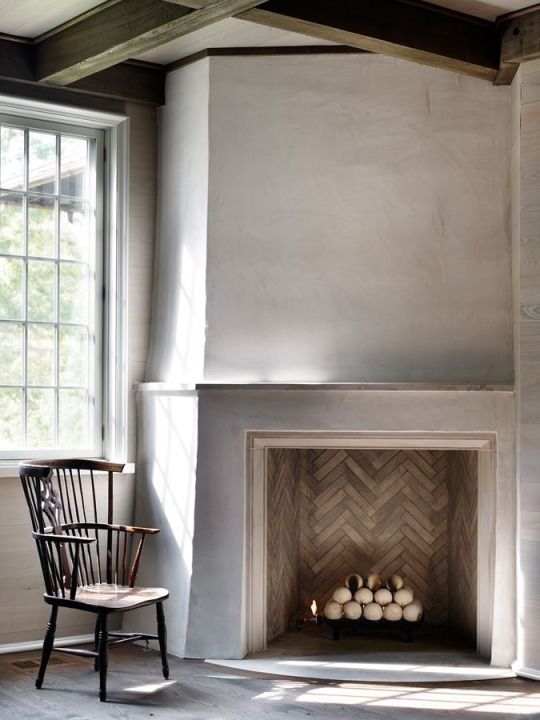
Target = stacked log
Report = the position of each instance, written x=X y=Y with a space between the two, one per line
x=374 y=599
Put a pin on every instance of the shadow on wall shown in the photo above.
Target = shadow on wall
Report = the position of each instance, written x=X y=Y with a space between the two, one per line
x=165 y=498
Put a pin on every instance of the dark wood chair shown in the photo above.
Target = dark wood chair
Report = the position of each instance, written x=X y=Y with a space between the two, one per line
x=88 y=562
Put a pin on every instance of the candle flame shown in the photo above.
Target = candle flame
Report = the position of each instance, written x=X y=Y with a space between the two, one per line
x=314 y=607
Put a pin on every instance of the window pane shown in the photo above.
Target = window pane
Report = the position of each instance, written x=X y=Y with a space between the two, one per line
x=12 y=158
x=73 y=166
x=42 y=162
x=11 y=223
x=73 y=421
x=40 y=418
x=41 y=227
x=11 y=350
x=41 y=290
x=73 y=356
x=73 y=293
x=11 y=418
x=11 y=289
x=41 y=355
x=74 y=230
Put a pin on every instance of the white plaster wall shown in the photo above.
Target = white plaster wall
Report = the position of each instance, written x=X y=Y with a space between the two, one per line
x=167 y=421
x=165 y=499
x=219 y=546
x=358 y=222
x=177 y=338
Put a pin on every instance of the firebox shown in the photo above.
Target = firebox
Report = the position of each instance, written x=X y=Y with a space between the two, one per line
x=410 y=513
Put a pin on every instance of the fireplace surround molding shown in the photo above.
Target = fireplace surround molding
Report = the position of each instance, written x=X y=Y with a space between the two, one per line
x=258 y=445
x=237 y=425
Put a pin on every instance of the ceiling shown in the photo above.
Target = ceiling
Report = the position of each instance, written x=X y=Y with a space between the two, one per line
x=84 y=44
x=487 y=10
x=227 y=33
x=32 y=18
x=240 y=33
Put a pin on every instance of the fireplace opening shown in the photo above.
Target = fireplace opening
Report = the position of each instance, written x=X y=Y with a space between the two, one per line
x=408 y=512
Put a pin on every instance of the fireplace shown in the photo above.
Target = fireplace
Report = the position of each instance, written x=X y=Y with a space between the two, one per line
x=221 y=542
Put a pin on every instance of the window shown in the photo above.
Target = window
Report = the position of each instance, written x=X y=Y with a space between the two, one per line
x=51 y=299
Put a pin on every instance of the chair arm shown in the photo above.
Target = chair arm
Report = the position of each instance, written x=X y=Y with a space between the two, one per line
x=71 y=576
x=49 y=537
x=107 y=526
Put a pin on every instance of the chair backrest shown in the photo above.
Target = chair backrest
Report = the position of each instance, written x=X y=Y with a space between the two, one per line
x=62 y=495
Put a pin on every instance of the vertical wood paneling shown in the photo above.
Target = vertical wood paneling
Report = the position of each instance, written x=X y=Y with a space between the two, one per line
x=142 y=229
x=528 y=370
x=21 y=585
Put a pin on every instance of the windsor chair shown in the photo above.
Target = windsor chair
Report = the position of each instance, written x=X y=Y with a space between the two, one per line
x=88 y=563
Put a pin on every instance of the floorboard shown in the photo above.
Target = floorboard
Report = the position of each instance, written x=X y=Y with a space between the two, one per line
x=198 y=691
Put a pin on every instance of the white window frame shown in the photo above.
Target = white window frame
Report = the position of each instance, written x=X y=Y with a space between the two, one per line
x=113 y=395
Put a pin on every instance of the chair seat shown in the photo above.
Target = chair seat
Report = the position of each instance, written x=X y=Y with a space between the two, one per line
x=113 y=597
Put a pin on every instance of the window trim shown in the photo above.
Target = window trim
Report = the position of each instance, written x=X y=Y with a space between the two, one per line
x=114 y=272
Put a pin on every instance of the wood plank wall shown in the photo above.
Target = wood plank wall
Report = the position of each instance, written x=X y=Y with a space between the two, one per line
x=527 y=343
x=142 y=230
x=25 y=614
x=384 y=511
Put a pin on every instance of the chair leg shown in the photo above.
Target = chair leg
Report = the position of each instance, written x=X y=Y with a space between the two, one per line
x=102 y=656
x=96 y=643
x=48 y=642
x=162 y=637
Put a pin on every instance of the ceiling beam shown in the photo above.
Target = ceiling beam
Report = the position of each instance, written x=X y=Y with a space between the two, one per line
x=520 y=36
x=406 y=29
x=121 y=30
x=132 y=80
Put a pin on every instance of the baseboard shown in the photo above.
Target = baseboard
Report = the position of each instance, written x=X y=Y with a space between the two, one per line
x=36 y=644
x=526 y=672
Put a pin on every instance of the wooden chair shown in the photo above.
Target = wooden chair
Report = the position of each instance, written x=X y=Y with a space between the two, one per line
x=88 y=564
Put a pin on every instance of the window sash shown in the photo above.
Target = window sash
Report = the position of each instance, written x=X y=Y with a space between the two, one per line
x=95 y=264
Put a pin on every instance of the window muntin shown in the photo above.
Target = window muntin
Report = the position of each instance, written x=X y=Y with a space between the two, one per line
x=50 y=288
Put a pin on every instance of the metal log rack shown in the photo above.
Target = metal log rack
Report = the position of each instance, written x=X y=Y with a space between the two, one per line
x=403 y=628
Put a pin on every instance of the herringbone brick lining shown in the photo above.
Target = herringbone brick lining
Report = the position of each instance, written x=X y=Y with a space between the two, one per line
x=284 y=473
x=331 y=512
x=463 y=529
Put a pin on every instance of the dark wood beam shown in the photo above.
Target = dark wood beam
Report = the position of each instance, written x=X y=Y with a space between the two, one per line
x=409 y=30
x=131 y=81
x=119 y=31
x=520 y=36
x=263 y=51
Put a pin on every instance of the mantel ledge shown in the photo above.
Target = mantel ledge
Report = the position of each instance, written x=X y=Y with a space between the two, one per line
x=354 y=387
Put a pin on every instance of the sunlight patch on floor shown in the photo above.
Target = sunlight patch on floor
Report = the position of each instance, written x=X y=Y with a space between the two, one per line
x=421 y=698
x=151 y=688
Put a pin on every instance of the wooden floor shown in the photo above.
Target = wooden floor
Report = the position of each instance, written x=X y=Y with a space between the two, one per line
x=203 y=692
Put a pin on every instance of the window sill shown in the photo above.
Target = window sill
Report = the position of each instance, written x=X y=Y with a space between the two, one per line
x=10 y=469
